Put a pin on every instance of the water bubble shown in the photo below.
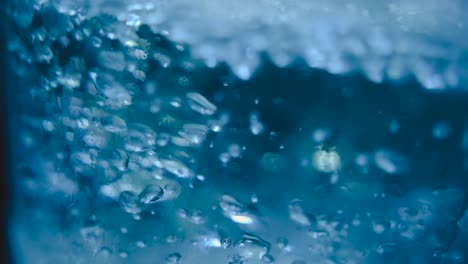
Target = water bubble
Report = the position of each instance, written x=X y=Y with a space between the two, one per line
x=92 y=235
x=200 y=104
x=268 y=258
x=282 y=242
x=173 y=258
x=391 y=162
x=234 y=150
x=236 y=259
x=256 y=127
x=235 y=210
x=112 y=60
x=197 y=217
x=48 y=125
x=224 y=157
x=177 y=168
x=252 y=247
x=326 y=160
x=394 y=126
x=321 y=135
x=114 y=124
x=96 y=42
x=123 y=254
x=441 y=130
x=385 y=248
x=82 y=123
x=151 y=194
x=95 y=139
x=129 y=202
x=163 y=59
x=119 y=159
x=296 y=213
x=226 y=242
x=140 y=244
x=272 y=161
x=135 y=141
x=171 y=191
x=195 y=133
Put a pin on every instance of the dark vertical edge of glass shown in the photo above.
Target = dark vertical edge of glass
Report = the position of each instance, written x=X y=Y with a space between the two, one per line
x=5 y=169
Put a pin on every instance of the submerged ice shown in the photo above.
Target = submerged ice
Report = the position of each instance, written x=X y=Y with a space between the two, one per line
x=238 y=132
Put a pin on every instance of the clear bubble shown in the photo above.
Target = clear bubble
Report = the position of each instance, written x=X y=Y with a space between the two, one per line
x=326 y=160
x=391 y=162
x=200 y=104
x=129 y=202
x=112 y=60
x=268 y=258
x=296 y=213
x=256 y=127
x=151 y=194
x=173 y=258
x=195 y=133
x=226 y=242
x=114 y=124
x=252 y=247
x=177 y=168
x=441 y=130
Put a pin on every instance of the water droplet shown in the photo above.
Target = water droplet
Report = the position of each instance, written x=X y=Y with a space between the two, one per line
x=200 y=104
x=129 y=202
x=151 y=194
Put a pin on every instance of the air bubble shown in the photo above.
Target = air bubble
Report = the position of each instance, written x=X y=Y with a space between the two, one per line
x=151 y=194
x=173 y=258
x=129 y=202
x=200 y=104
